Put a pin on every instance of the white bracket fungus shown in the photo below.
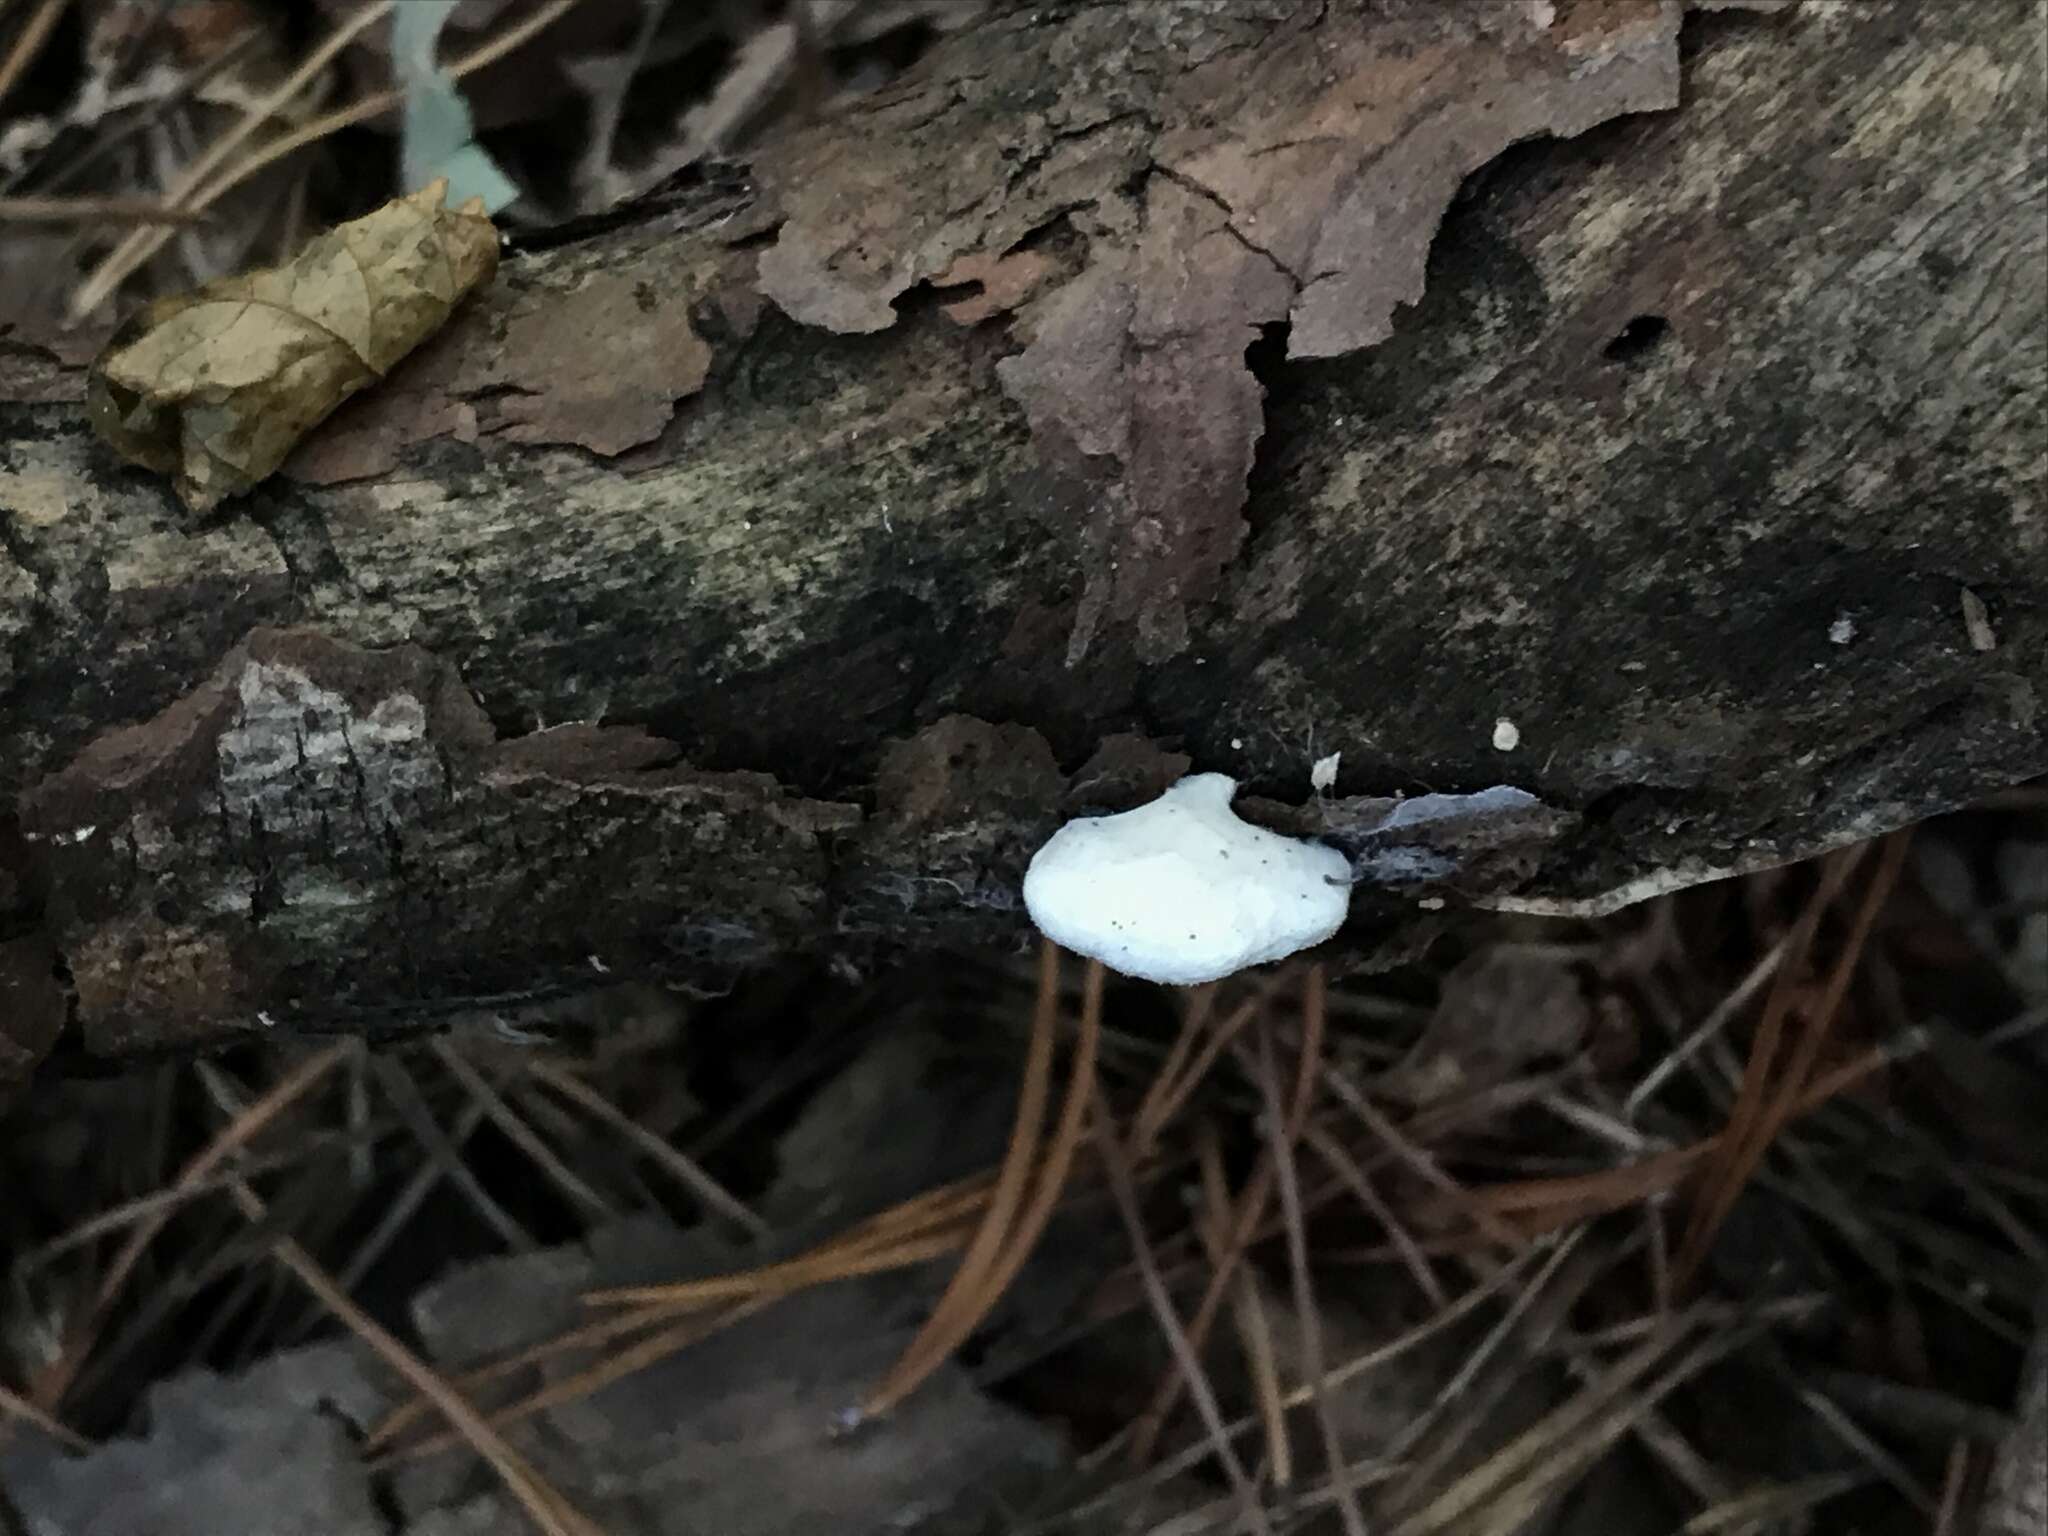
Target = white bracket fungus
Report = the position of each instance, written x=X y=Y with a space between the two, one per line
x=1182 y=891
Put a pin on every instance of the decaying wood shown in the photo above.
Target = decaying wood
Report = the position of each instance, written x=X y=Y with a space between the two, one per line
x=1642 y=409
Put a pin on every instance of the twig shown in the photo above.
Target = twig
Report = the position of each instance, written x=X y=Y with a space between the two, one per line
x=361 y=1169
x=917 y=1231
x=818 y=1267
x=588 y=1335
x=606 y=106
x=1544 y=1205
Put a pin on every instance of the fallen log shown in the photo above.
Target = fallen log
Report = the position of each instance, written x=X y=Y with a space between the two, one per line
x=1643 y=409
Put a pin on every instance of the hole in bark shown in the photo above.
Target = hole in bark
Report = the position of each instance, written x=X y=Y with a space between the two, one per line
x=875 y=62
x=938 y=295
x=1637 y=339
x=1266 y=360
x=756 y=240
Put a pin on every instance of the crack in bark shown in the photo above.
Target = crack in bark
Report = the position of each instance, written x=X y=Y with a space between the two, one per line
x=1182 y=179
x=300 y=533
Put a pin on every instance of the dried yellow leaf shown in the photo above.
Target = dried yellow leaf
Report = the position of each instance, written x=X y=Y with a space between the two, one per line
x=216 y=386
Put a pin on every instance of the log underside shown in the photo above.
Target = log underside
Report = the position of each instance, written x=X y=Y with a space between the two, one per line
x=1710 y=456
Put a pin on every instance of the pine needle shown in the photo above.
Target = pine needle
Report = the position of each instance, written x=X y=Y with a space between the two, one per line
x=684 y=1169
x=548 y=1509
x=1255 y=1333
x=188 y=191
x=523 y=1136
x=1307 y=1313
x=28 y=43
x=1768 y=1099
x=53 y=1382
x=1187 y=1359
x=14 y=1406
x=963 y=1299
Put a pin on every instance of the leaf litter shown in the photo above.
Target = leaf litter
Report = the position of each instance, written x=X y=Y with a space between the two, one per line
x=1292 y=1253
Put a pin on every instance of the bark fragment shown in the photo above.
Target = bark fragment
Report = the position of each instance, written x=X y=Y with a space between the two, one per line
x=318 y=827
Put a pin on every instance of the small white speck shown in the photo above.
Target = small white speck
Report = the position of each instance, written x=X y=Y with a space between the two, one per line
x=1431 y=903
x=1324 y=774
x=1843 y=630
x=598 y=965
x=77 y=834
x=265 y=1020
x=1506 y=735
x=1977 y=623
x=1237 y=743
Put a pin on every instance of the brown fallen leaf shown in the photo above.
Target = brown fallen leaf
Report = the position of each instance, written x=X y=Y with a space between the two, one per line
x=214 y=387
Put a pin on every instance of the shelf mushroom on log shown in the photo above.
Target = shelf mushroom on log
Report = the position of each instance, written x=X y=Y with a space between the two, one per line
x=1122 y=391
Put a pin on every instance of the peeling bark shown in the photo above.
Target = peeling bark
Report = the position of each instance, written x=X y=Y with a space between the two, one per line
x=1710 y=457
